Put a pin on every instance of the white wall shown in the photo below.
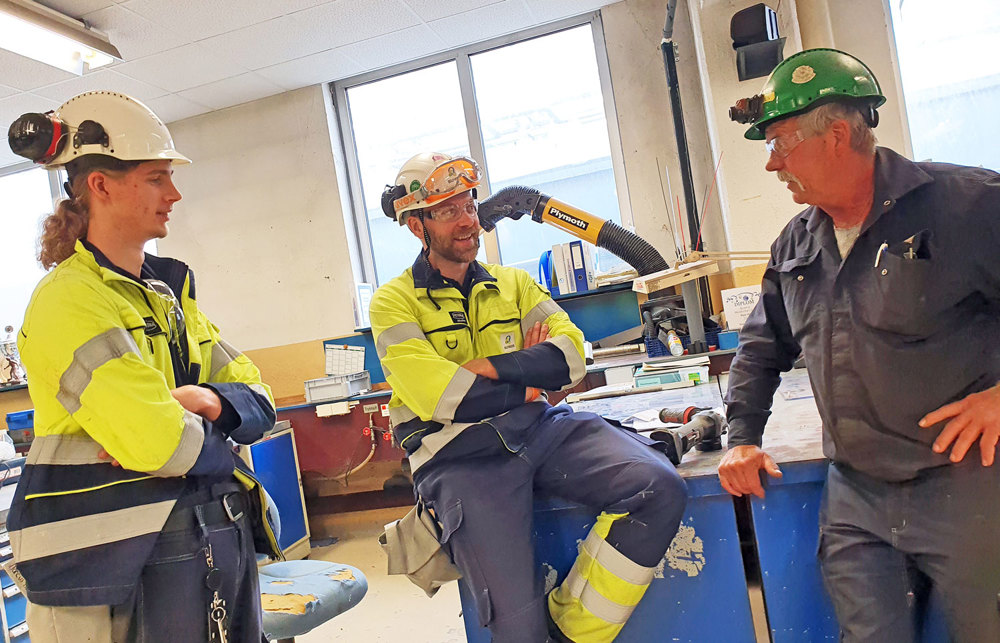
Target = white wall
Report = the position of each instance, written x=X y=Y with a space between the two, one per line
x=261 y=221
x=755 y=205
x=633 y=30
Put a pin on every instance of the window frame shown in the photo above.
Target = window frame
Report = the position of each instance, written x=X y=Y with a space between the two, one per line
x=359 y=239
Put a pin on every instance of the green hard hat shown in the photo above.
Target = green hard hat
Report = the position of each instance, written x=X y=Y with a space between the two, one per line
x=805 y=80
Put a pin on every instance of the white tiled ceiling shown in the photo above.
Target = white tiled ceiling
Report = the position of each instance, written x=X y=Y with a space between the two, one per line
x=188 y=57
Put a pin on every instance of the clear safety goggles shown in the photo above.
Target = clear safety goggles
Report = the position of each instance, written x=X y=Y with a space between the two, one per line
x=444 y=181
x=782 y=146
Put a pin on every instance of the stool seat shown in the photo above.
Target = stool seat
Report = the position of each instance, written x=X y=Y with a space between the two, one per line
x=299 y=595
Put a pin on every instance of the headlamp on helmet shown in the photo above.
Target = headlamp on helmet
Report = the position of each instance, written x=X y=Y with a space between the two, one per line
x=806 y=80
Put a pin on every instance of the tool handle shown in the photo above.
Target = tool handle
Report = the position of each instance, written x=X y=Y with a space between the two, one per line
x=679 y=416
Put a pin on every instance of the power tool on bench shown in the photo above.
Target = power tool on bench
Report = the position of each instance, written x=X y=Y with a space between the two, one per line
x=700 y=428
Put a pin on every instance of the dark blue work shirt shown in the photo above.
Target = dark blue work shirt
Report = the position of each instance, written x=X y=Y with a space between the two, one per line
x=910 y=321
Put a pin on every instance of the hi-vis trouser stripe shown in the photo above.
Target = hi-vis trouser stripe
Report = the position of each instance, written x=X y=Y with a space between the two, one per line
x=601 y=590
x=97 y=352
x=72 y=534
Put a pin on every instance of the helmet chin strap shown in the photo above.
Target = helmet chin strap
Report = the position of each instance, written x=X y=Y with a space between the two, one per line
x=427 y=237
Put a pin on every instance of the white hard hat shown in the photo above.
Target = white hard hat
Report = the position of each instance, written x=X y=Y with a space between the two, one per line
x=428 y=179
x=99 y=122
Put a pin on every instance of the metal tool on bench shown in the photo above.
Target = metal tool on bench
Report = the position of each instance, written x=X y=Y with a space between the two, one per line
x=700 y=428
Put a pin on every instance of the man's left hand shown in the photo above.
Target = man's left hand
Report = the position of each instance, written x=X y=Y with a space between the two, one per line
x=976 y=417
x=199 y=400
x=482 y=366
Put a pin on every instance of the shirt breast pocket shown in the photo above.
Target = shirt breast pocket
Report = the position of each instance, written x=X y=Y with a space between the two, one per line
x=904 y=290
x=895 y=299
x=800 y=281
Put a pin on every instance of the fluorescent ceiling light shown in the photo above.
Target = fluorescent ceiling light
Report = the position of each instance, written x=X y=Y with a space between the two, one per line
x=30 y=29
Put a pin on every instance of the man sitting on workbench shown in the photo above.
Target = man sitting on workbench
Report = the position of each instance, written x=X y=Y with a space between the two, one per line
x=466 y=347
x=889 y=284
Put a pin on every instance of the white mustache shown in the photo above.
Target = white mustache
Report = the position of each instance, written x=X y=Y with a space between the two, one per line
x=788 y=177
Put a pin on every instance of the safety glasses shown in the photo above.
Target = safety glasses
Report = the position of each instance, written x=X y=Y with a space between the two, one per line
x=783 y=145
x=449 y=212
x=175 y=318
x=444 y=181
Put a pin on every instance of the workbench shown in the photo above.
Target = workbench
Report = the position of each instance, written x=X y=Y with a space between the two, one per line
x=700 y=591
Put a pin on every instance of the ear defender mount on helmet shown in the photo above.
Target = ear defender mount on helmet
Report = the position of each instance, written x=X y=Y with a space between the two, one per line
x=38 y=137
x=41 y=137
x=390 y=194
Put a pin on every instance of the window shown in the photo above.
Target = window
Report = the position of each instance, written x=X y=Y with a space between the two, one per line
x=532 y=112
x=951 y=78
x=27 y=197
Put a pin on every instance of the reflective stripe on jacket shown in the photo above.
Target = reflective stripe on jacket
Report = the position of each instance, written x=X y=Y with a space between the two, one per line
x=96 y=346
x=425 y=329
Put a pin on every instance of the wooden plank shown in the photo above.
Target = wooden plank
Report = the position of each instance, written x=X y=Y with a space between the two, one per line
x=674 y=276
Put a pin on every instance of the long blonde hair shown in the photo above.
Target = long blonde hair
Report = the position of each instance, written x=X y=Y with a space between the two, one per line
x=69 y=221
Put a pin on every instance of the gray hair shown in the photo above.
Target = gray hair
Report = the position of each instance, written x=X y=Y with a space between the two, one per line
x=818 y=120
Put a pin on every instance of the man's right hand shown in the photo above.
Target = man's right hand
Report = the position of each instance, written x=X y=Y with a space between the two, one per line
x=739 y=471
x=536 y=335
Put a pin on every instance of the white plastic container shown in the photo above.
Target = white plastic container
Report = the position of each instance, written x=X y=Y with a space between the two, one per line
x=337 y=387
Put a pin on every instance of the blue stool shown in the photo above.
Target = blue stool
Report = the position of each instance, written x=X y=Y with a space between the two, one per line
x=299 y=595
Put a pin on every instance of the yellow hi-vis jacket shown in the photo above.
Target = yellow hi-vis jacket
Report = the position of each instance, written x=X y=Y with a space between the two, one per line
x=425 y=328
x=96 y=347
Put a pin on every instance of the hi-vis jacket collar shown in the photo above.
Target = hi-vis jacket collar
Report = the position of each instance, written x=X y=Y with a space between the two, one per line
x=426 y=276
x=170 y=271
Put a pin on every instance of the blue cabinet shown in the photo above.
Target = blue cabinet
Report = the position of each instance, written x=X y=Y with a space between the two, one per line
x=699 y=592
x=275 y=462
x=12 y=601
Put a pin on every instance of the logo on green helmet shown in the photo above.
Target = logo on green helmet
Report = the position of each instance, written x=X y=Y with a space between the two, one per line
x=803 y=74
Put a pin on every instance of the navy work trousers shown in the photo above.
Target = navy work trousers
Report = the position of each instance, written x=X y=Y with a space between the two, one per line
x=884 y=546
x=482 y=493
x=171 y=601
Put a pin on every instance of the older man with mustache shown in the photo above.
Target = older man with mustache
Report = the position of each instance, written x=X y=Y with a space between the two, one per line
x=889 y=285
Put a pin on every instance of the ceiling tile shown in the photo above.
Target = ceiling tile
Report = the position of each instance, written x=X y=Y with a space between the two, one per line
x=484 y=23
x=397 y=47
x=183 y=68
x=318 y=68
x=313 y=31
x=24 y=73
x=76 y=8
x=346 y=21
x=172 y=108
x=9 y=158
x=429 y=10
x=274 y=41
x=5 y=92
x=550 y=10
x=13 y=106
x=102 y=79
x=232 y=91
x=134 y=36
x=199 y=19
